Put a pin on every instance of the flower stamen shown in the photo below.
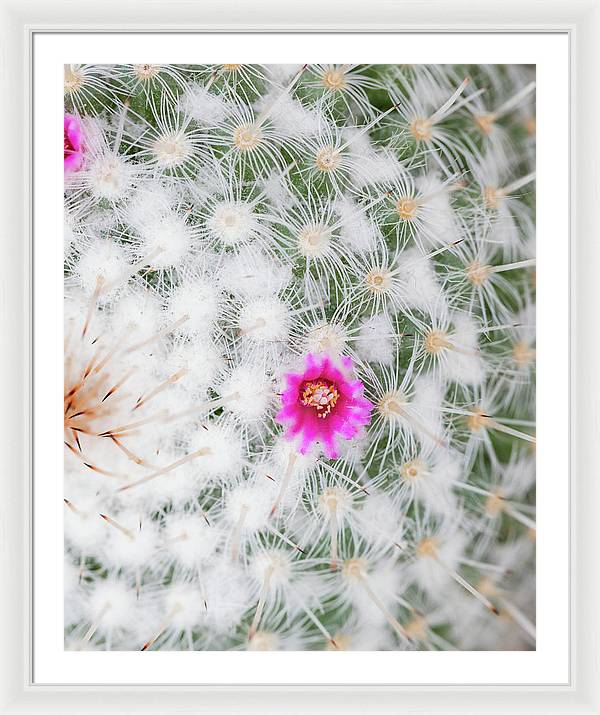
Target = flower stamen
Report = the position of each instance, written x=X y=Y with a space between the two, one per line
x=321 y=395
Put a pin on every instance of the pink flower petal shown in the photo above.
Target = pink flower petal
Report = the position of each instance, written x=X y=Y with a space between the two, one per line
x=73 y=144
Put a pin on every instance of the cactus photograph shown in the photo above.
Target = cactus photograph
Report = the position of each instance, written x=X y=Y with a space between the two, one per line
x=299 y=357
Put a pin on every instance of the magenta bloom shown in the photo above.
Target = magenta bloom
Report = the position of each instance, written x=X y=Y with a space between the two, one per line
x=73 y=144
x=322 y=402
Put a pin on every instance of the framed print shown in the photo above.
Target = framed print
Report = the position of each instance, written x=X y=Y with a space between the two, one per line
x=313 y=312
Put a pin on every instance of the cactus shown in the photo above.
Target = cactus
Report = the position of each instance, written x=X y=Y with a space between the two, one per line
x=299 y=406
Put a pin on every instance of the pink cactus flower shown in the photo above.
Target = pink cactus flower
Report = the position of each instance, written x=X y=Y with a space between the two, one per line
x=322 y=402
x=73 y=144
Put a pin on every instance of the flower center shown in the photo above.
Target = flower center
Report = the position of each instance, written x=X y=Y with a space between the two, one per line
x=335 y=499
x=491 y=197
x=435 y=341
x=247 y=137
x=327 y=337
x=427 y=547
x=171 y=148
x=484 y=122
x=354 y=569
x=477 y=273
x=523 y=354
x=320 y=394
x=73 y=80
x=378 y=280
x=314 y=240
x=327 y=159
x=406 y=208
x=343 y=641
x=263 y=640
x=146 y=72
x=334 y=80
x=494 y=504
x=392 y=404
x=529 y=125
x=477 y=419
x=413 y=470
x=421 y=129
x=417 y=628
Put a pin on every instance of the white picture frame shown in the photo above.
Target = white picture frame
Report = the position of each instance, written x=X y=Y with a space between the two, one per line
x=18 y=693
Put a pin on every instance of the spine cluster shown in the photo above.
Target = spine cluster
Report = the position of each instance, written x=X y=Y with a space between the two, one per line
x=299 y=403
